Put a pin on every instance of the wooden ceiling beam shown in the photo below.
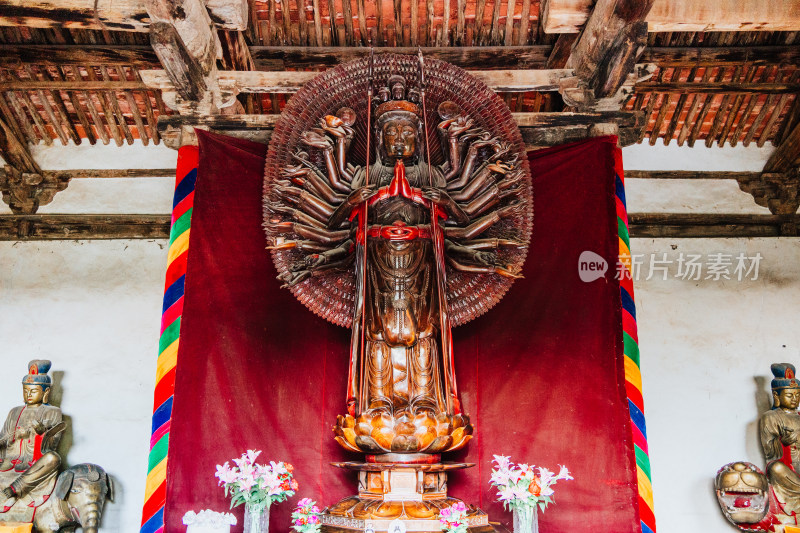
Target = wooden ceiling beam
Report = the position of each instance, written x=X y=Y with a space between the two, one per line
x=641 y=225
x=568 y=16
x=683 y=87
x=721 y=55
x=538 y=129
x=611 y=41
x=290 y=81
x=277 y=58
x=15 y=55
x=70 y=85
x=467 y=57
x=73 y=227
x=112 y=15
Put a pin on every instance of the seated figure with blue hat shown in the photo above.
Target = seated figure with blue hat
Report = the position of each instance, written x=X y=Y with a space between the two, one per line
x=28 y=461
x=779 y=429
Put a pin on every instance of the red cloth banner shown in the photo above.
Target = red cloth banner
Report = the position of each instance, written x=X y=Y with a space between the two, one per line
x=541 y=375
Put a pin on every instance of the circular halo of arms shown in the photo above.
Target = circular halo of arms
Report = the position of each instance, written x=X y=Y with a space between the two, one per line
x=315 y=177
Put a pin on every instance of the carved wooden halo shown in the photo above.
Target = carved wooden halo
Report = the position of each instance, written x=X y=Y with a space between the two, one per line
x=331 y=296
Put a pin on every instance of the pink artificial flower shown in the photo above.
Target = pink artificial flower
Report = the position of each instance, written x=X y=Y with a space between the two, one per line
x=502 y=461
x=305 y=502
x=225 y=473
x=563 y=473
x=546 y=476
x=246 y=483
x=460 y=507
x=313 y=519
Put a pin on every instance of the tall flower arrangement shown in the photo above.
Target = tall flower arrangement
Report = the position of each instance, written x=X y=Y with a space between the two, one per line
x=256 y=485
x=523 y=485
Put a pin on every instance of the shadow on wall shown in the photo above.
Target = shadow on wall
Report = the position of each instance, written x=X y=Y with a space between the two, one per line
x=763 y=399
x=111 y=517
x=56 y=395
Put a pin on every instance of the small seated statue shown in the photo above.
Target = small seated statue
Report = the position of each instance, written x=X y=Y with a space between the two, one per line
x=751 y=500
x=779 y=429
x=32 y=489
x=29 y=438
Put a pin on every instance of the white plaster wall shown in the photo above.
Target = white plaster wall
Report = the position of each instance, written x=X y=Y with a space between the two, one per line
x=706 y=347
x=93 y=308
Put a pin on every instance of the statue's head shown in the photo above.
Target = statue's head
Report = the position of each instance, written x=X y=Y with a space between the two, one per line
x=36 y=383
x=742 y=492
x=398 y=121
x=785 y=387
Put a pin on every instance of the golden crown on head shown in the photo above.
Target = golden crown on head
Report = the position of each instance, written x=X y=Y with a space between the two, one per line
x=396 y=96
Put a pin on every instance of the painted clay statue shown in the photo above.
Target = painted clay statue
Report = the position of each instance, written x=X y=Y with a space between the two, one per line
x=31 y=488
x=750 y=499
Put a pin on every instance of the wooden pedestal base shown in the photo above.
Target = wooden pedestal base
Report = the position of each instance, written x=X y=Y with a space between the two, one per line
x=398 y=498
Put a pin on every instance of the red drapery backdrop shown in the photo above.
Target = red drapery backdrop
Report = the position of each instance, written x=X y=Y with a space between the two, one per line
x=541 y=375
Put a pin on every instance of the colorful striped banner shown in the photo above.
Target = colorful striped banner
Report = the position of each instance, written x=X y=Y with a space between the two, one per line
x=183 y=200
x=633 y=376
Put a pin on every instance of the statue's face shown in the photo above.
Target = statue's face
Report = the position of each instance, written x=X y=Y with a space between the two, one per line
x=742 y=493
x=399 y=138
x=788 y=398
x=32 y=394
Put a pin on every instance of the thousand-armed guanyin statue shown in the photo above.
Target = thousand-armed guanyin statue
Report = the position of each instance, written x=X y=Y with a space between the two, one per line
x=33 y=489
x=398 y=203
x=751 y=500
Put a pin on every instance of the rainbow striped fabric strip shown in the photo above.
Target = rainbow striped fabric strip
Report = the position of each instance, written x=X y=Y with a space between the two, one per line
x=156 y=486
x=633 y=376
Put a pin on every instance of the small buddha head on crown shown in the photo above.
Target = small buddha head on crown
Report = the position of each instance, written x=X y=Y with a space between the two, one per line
x=398 y=121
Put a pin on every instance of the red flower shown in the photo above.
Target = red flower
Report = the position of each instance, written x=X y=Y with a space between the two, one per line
x=294 y=485
x=535 y=488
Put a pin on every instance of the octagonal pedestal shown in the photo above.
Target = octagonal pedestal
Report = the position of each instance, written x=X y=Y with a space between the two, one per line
x=397 y=498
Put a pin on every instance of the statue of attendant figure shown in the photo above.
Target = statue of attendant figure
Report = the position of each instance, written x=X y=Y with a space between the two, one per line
x=29 y=464
x=779 y=429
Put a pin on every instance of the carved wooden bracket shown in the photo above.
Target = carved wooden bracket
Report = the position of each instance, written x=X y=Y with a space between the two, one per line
x=780 y=193
x=24 y=192
x=578 y=94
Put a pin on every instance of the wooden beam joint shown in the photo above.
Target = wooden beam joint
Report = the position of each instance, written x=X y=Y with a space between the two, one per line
x=25 y=192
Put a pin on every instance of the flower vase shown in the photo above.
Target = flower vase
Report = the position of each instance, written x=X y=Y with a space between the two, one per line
x=526 y=519
x=256 y=519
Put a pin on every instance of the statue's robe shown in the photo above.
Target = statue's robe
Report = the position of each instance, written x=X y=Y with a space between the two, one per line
x=30 y=464
x=780 y=439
